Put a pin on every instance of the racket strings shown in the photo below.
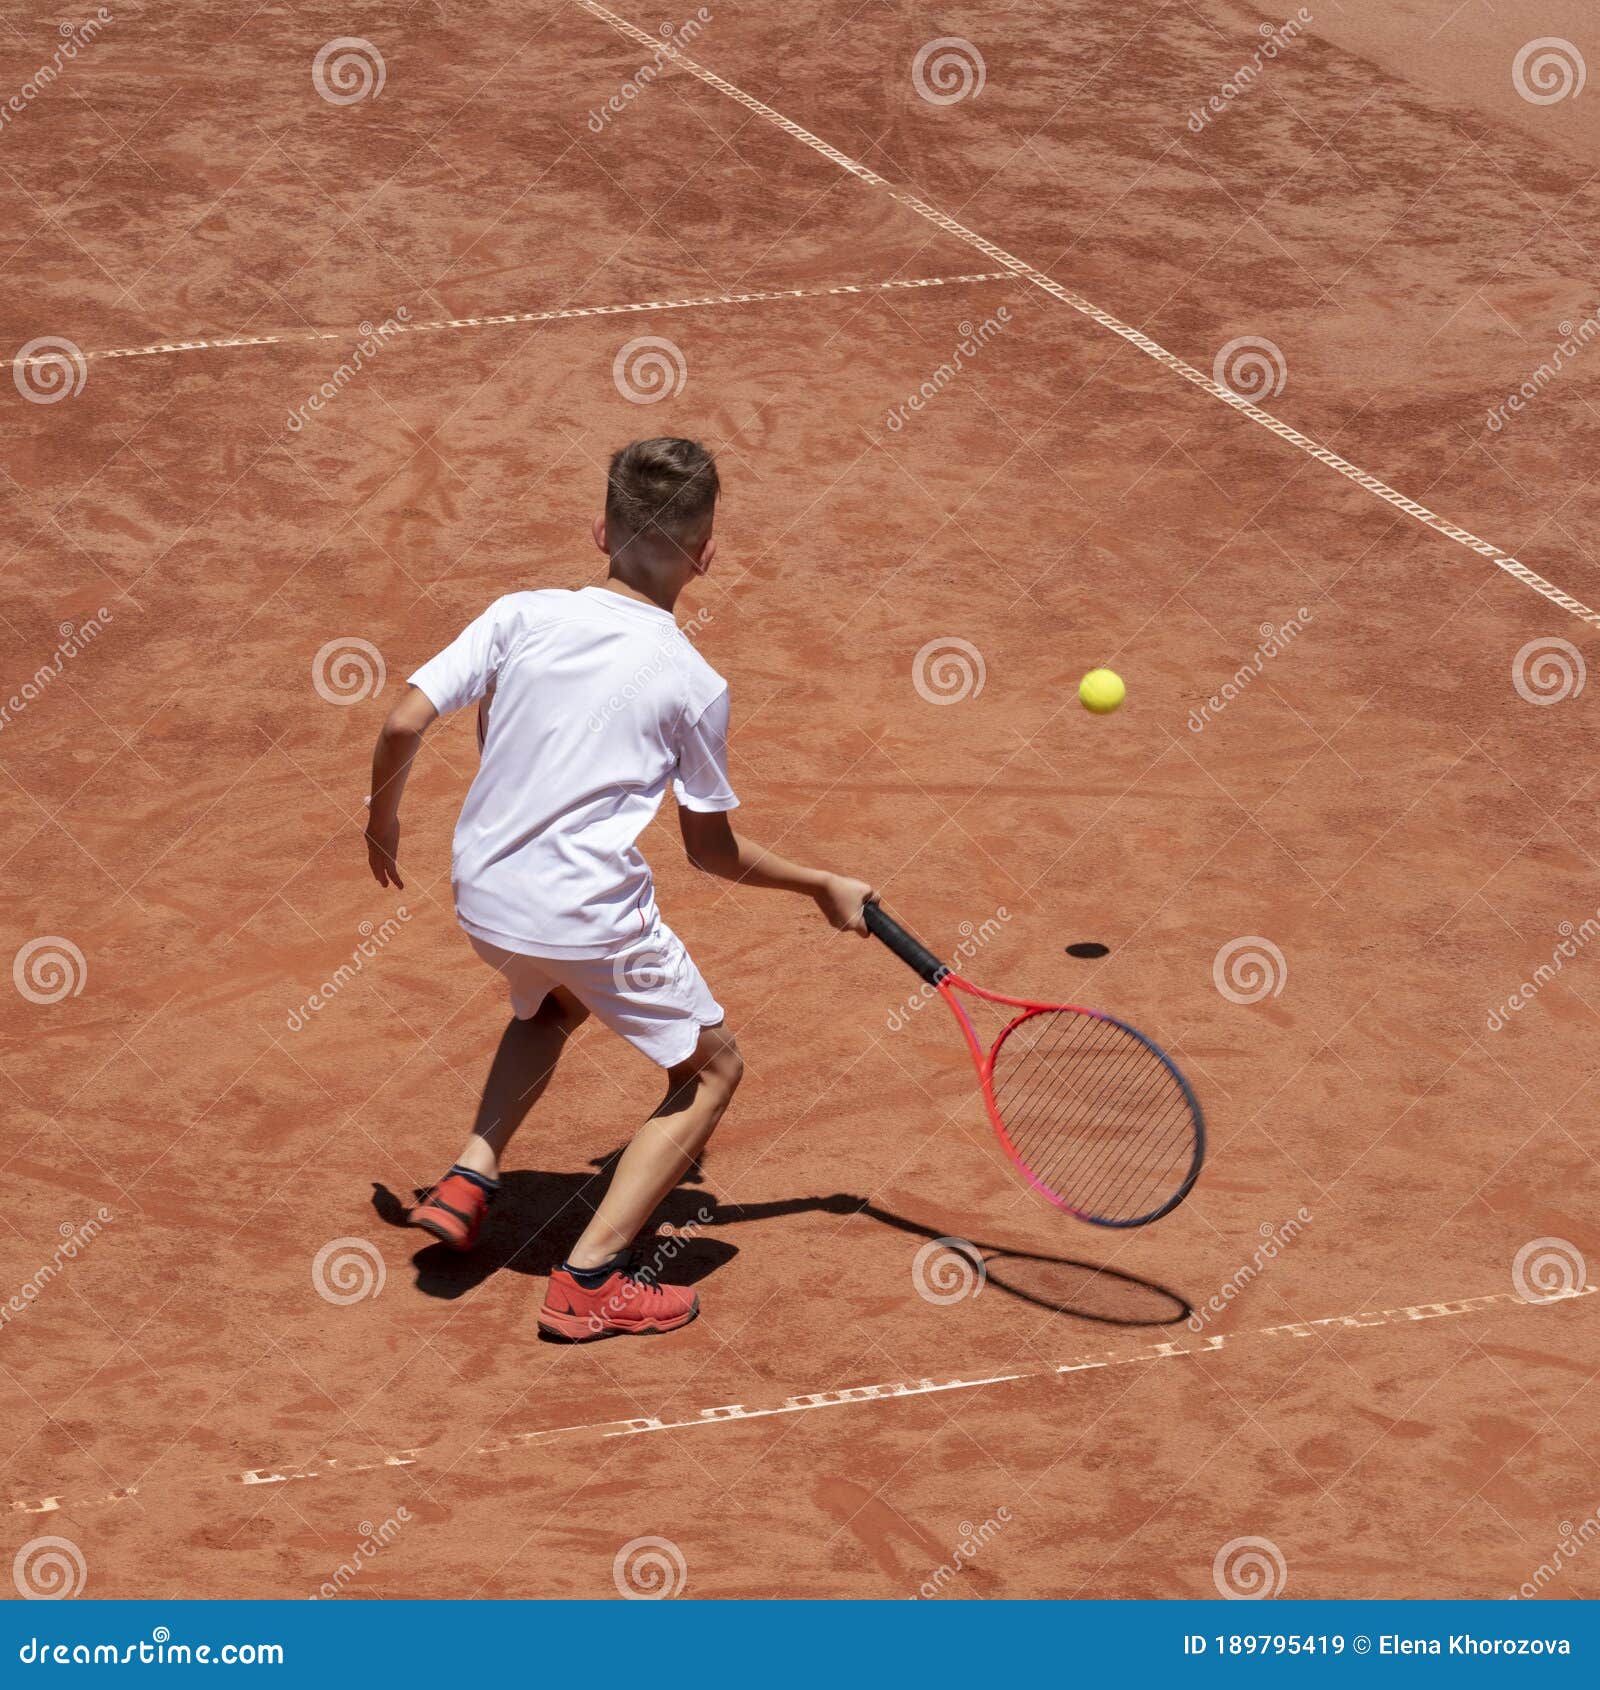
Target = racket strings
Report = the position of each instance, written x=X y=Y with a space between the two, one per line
x=1096 y=1115
x=1127 y=1103
x=1055 y=1082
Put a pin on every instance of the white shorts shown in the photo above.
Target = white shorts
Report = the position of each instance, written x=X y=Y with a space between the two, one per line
x=650 y=992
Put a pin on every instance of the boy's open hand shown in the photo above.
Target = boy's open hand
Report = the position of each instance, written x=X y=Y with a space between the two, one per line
x=383 y=852
x=841 y=899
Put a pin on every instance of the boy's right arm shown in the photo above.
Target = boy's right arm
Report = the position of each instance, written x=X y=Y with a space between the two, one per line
x=712 y=845
x=398 y=740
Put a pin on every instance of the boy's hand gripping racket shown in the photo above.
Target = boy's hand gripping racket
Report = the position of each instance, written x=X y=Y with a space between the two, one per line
x=1092 y=1113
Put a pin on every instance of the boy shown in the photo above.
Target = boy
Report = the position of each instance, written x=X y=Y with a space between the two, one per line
x=594 y=700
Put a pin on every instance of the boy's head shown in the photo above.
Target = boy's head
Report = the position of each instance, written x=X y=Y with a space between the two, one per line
x=661 y=499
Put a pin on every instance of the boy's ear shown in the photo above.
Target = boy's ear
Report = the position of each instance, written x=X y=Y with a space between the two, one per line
x=600 y=533
x=703 y=557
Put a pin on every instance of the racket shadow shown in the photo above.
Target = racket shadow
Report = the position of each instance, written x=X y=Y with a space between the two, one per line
x=539 y=1214
x=1060 y=1284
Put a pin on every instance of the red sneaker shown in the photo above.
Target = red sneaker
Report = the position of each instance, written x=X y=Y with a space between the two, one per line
x=453 y=1212
x=626 y=1302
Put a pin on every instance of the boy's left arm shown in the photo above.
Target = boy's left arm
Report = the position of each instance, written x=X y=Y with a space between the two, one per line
x=398 y=740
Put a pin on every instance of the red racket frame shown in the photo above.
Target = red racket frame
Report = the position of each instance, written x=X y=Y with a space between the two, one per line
x=917 y=957
x=984 y=1061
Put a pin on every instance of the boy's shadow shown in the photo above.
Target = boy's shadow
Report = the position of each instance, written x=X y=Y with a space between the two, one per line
x=537 y=1216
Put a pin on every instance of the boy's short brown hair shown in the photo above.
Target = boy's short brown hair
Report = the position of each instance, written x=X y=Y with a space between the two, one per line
x=666 y=485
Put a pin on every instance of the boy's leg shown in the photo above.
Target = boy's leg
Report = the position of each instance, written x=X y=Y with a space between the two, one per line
x=698 y=1091
x=520 y=1071
x=453 y=1211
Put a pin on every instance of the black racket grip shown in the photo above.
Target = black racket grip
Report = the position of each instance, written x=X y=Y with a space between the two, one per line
x=910 y=951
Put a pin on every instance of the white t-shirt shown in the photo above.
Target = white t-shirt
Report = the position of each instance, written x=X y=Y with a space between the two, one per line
x=596 y=701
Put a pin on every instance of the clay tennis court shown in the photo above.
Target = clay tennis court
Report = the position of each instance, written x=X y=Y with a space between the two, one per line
x=346 y=355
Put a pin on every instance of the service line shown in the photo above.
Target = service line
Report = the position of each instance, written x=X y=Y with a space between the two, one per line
x=300 y=337
x=1135 y=337
x=849 y=1396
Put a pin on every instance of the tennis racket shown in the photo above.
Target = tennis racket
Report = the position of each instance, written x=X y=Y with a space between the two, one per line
x=1092 y=1114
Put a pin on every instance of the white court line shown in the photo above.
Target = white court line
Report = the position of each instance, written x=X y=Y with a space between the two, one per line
x=1151 y=349
x=1166 y=1349
x=391 y=328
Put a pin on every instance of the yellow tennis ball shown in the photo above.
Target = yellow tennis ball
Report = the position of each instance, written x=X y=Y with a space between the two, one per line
x=1101 y=691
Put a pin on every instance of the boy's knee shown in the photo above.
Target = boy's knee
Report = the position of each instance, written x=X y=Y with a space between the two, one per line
x=723 y=1065
x=731 y=1064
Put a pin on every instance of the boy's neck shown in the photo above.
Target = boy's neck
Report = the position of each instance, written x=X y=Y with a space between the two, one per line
x=663 y=598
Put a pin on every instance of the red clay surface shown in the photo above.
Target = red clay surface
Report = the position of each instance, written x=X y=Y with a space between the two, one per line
x=1378 y=801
